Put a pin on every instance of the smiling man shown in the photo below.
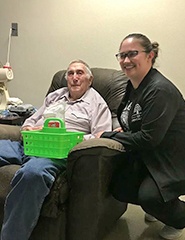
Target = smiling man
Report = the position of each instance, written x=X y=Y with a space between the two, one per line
x=85 y=111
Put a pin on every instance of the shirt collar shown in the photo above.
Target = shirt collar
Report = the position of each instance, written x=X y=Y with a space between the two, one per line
x=85 y=98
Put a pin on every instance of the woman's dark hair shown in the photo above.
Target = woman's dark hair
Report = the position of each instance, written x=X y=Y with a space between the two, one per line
x=145 y=43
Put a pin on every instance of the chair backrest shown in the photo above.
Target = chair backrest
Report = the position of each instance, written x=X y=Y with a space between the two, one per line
x=110 y=83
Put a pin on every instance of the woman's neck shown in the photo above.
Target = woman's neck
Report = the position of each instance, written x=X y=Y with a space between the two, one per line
x=138 y=79
x=136 y=82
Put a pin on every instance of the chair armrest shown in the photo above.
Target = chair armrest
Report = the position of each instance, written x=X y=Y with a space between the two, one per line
x=92 y=209
x=95 y=159
x=99 y=142
x=10 y=132
x=93 y=155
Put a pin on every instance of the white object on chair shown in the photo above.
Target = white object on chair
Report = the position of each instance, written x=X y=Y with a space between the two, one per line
x=6 y=74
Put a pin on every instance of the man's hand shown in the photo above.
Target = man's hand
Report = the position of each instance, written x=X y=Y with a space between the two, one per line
x=28 y=128
x=98 y=135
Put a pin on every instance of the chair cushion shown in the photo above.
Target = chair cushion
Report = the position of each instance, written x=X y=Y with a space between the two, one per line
x=54 y=203
x=6 y=174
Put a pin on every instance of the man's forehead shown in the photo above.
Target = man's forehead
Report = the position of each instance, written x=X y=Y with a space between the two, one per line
x=76 y=66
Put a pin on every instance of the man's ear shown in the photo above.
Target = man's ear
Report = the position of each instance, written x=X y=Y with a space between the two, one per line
x=91 y=80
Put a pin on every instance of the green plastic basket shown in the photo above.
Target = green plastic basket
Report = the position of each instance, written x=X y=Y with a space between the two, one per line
x=51 y=141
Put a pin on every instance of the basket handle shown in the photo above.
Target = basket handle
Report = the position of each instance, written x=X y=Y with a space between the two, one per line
x=62 y=124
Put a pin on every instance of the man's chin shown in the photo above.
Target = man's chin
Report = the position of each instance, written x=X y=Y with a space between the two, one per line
x=76 y=94
x=75 y=88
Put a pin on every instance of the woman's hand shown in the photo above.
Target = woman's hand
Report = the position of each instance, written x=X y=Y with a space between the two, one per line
x=98 y=135
x=119 y=129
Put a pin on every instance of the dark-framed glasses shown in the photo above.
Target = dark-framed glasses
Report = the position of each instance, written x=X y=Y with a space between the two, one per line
x=129 y=54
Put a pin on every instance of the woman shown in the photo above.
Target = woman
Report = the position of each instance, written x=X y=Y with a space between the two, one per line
x=152 y=120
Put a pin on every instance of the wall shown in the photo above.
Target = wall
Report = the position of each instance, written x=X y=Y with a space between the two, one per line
x=54 y=32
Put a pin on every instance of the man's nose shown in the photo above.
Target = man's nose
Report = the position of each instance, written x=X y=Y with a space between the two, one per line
x=75 y=76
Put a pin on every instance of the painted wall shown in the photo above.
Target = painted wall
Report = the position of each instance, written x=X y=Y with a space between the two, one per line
x=51 y=33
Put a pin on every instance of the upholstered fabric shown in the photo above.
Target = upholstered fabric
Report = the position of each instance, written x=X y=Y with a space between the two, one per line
x=90 y=167
x=9 y=132
x=54 y=203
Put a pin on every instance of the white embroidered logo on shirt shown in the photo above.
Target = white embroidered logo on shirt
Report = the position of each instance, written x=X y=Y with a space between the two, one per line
x=124 y=116
x=137 y=112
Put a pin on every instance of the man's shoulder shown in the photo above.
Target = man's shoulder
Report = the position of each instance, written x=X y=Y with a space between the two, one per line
x=95 y=95
x=60 y=91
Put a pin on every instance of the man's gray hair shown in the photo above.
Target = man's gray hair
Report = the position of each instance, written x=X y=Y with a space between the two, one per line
x=84 y=63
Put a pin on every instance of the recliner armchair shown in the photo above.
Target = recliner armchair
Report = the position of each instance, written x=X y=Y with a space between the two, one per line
x=79 y=206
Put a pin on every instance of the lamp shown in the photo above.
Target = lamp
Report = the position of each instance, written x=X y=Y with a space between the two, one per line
x=6 y=74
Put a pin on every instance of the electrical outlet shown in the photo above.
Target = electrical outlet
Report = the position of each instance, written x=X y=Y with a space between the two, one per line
x=14 y=29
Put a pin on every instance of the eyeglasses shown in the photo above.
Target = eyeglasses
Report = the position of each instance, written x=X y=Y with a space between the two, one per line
x=130 y=55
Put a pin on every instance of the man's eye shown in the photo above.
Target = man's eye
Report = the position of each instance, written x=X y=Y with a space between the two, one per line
x=79 y=72
x=70 y=73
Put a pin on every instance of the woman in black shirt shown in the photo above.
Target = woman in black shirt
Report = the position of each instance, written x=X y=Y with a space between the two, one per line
x=152 y=120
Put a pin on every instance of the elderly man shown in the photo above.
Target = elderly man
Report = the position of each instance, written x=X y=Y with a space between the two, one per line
x=85 y=111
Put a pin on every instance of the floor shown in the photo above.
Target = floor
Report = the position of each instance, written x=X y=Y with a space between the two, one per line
x=131 y=226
